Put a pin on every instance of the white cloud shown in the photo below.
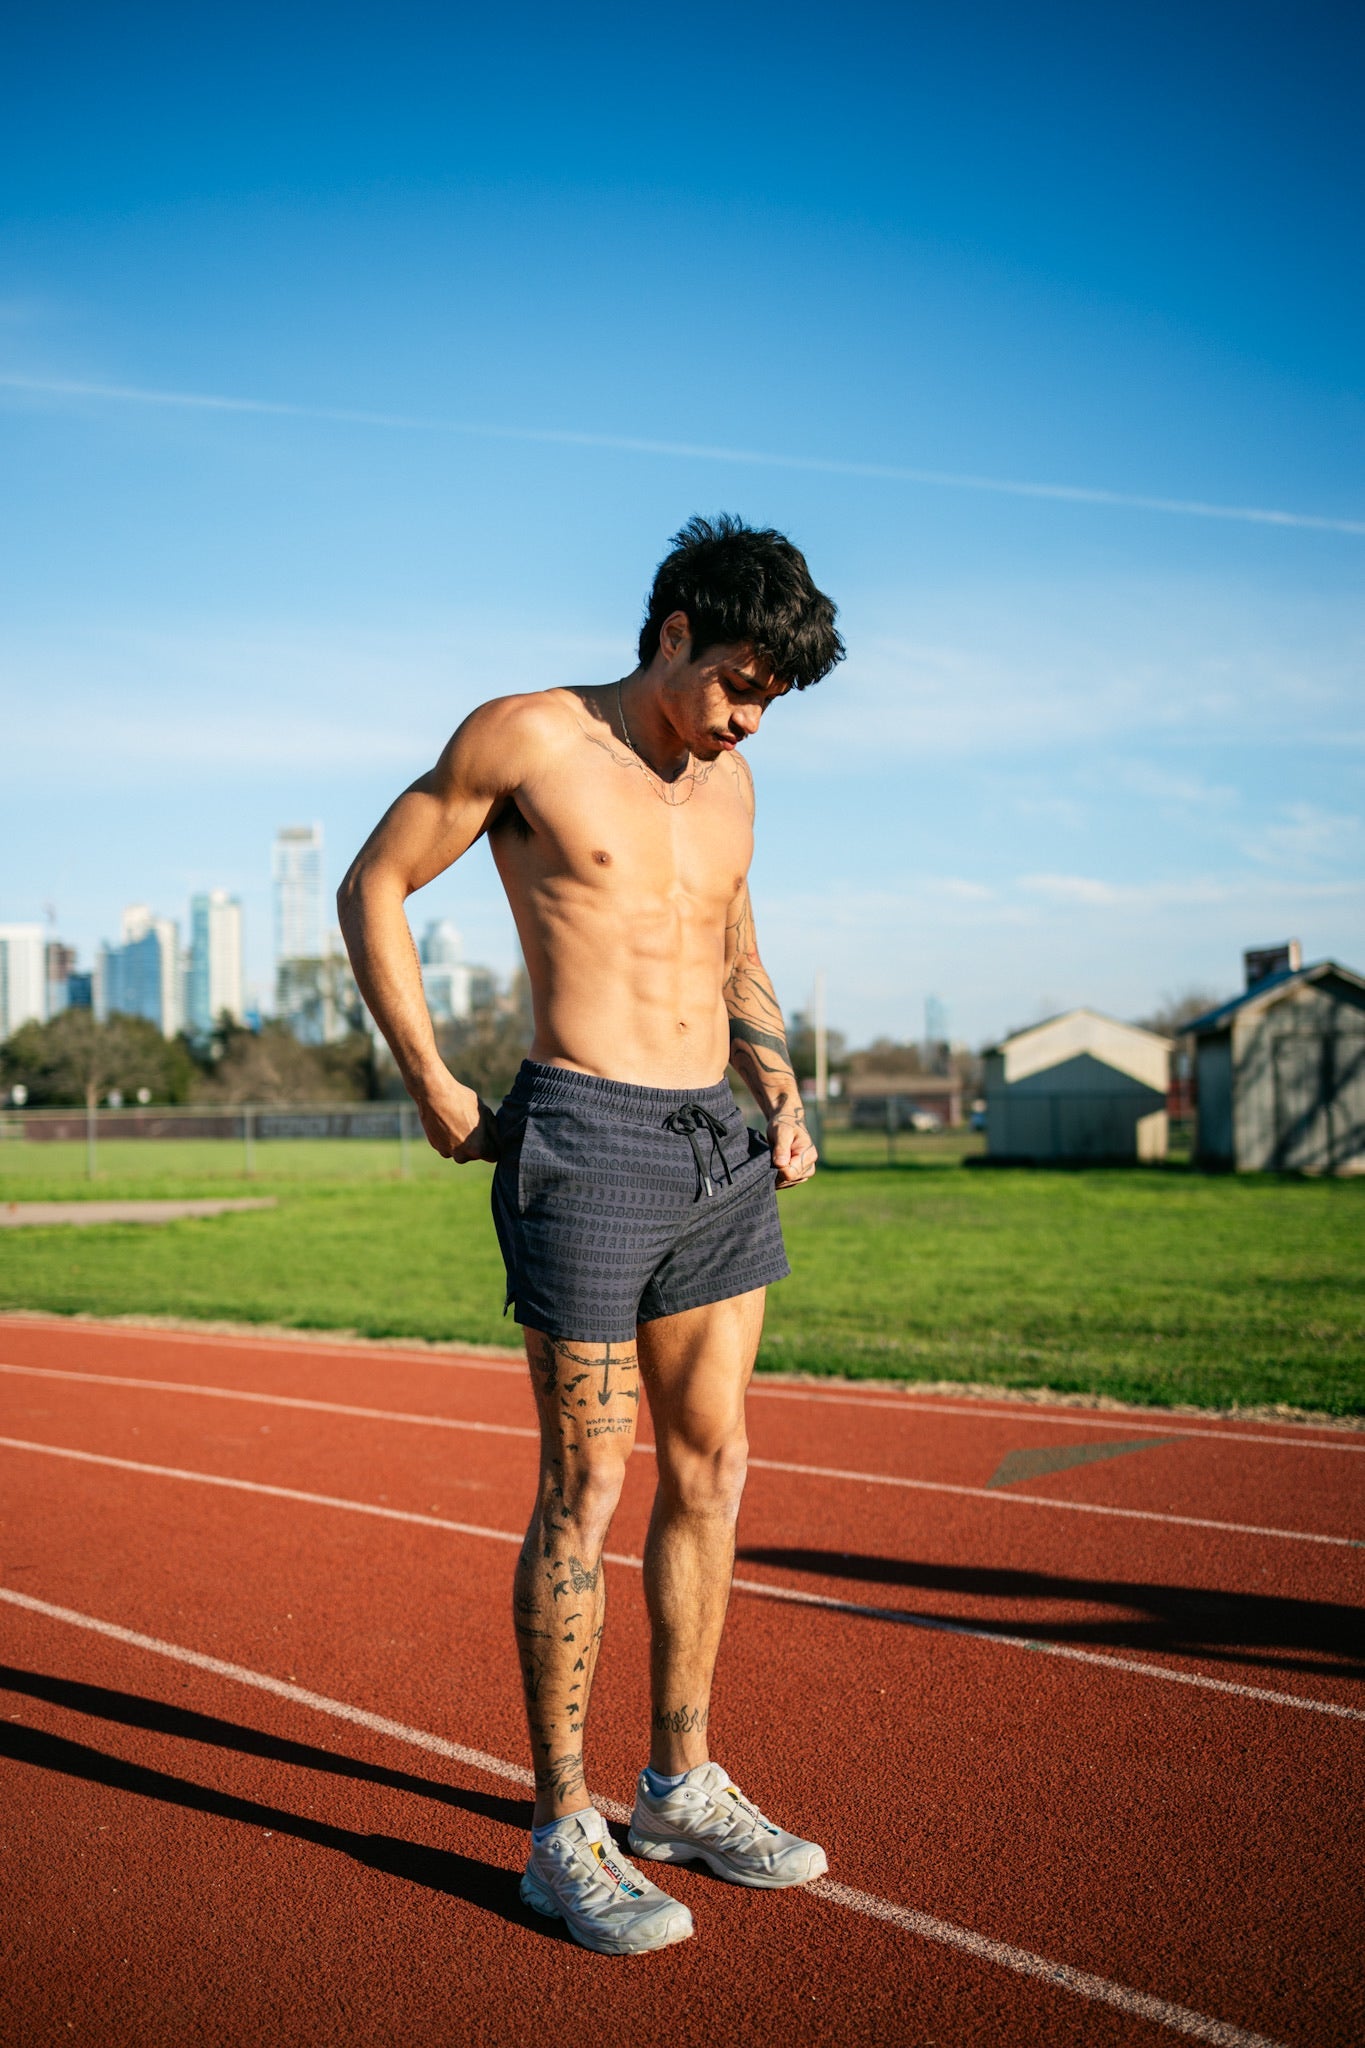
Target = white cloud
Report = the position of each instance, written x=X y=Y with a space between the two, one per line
x=1306 y=836
x=1175 y=789
x=1039 y=943
x=1088 y=892
x=98 y=391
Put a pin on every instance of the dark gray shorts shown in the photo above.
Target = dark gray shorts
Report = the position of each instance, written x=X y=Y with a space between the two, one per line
x=601 y=1203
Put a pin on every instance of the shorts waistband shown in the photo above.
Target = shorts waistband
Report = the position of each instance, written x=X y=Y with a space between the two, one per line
x=541 y=1087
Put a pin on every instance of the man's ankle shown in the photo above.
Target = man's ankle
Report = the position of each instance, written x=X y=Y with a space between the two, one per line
x=660 y=1782
x=541 y=1829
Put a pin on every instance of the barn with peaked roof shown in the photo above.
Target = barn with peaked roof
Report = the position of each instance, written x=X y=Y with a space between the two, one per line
x=1079 y=1088
x=1280 y=1074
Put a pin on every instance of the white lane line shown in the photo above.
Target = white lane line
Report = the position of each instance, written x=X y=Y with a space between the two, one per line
x=994 y=1494
x=476 y=1759
x=109 y=1379
x=908 y=1619
x=757 y=1587
x=299 y=1343
x=1325 y=1439
x=1112 y=1418
x=1081 y=1983
x=1042 y=1500
x=320 y=1500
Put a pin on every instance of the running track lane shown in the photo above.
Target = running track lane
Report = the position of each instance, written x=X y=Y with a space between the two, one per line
x=410 y=1569
x=1042 y=1578
x=1097 y=1990
x=267 y=1399
x=848 y=1651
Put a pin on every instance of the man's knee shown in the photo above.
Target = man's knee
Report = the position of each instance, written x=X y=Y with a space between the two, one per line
x=582 y=1486
x=705 y=1474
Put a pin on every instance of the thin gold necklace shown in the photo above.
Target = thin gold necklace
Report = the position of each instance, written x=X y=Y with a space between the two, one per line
x=655 y=780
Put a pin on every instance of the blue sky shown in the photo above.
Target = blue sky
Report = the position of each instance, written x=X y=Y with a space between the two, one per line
x=498 y=303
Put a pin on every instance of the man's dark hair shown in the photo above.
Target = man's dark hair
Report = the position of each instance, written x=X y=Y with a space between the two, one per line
x=744 y=584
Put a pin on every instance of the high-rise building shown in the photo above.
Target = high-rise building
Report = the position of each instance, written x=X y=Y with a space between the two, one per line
x=296 y=870
x=60 y=965
x=318 y=999
x=143 y=977
x=213 y=984
x=23 y=977
x=446 y=980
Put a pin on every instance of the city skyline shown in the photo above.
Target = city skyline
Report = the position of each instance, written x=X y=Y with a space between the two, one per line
x=315 y=992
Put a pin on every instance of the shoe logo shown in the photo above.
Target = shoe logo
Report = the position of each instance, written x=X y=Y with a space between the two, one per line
x=618 y=1877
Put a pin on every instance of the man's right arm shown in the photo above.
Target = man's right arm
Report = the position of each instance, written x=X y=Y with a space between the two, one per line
x=419 y=836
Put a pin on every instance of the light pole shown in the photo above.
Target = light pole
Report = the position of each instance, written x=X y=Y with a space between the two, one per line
x=821 y=1057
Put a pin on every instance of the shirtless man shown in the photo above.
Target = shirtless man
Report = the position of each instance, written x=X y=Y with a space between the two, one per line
x=635 y=1209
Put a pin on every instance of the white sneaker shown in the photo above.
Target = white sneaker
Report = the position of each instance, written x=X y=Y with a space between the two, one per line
x=579 y=1875
x=708 y=1818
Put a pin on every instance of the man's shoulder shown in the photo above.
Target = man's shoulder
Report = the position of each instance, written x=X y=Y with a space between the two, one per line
x=529 y=714
x=520 y=730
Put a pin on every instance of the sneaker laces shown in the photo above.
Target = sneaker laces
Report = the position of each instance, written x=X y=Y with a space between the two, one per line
x=741 y=1822
x=598 y=1866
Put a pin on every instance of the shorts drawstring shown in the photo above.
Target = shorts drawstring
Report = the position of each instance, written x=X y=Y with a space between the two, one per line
x=686 y=1123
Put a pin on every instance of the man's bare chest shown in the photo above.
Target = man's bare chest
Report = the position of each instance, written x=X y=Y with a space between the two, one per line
x=612 y=827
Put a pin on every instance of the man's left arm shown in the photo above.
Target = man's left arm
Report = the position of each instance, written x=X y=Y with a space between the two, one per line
x=758 y=1046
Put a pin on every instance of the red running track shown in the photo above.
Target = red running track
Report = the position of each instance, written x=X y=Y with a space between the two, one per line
x=1086 y=1745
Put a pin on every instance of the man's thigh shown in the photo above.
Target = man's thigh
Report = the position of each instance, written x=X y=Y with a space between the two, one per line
x=696 y=1367
x=587 y=1393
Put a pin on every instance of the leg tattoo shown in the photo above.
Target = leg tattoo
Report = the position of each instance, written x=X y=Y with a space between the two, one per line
x=559 y=1594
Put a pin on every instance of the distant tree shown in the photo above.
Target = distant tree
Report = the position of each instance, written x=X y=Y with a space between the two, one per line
x=270 y=1066
x=75 y=1058
x=485 y=1049
x=887 y=1056
x=801 y=1046
x=1174 y=1013
x=969 y=1067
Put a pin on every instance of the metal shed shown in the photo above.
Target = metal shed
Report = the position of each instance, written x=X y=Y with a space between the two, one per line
x=1280 y=1075
x=1079 y=1087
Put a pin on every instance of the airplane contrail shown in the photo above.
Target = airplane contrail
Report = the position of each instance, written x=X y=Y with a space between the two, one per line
x=630 y=444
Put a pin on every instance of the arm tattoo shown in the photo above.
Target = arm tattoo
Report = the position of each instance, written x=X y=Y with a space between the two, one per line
x=758 y=1038
x=742 y=1032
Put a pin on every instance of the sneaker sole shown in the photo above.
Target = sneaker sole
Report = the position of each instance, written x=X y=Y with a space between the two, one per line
x=547 y=1905
x=688 y=1852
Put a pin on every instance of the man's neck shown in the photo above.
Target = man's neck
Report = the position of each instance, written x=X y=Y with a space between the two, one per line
x=645 y=727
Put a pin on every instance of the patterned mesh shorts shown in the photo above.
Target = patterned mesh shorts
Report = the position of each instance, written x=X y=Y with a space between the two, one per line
x=616 y=1205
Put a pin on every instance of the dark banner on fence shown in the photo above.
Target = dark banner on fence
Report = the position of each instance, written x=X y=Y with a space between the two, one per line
x=380 y=1122
x=361 y=1120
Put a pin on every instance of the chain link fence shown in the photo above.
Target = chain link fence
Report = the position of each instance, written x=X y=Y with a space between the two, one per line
x=247 y=1125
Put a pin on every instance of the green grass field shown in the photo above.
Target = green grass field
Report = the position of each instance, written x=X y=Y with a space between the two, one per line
x=1155 y=1286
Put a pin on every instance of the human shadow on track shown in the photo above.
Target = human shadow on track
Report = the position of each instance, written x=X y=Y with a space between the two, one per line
x=1318 y=1637
x=439 y=1870
x=132 y=1710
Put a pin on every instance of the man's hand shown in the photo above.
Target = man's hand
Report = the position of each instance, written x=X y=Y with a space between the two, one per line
x=793 y=1149
x=458 y=1125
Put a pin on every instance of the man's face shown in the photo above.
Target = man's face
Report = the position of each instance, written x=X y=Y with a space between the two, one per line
x=715 y=704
